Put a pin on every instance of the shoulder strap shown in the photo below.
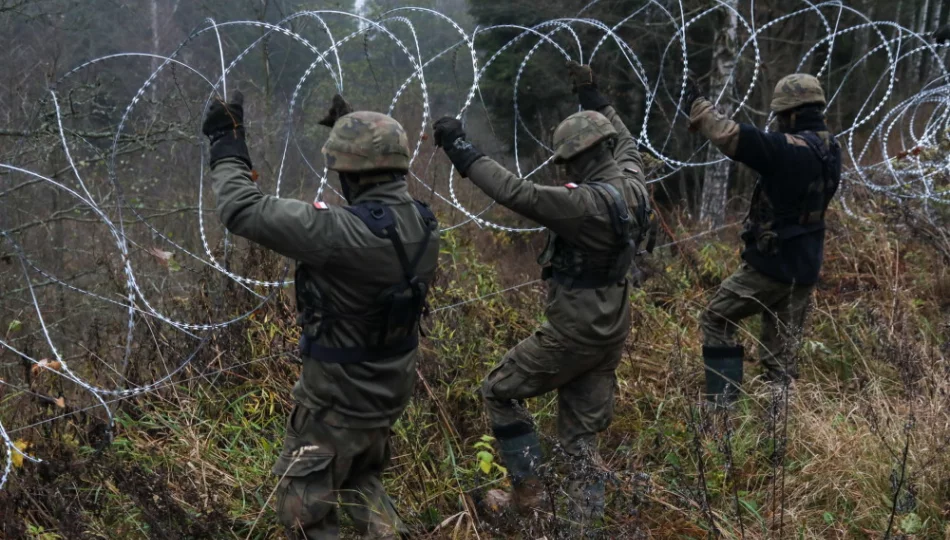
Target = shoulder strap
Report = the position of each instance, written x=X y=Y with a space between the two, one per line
x=616 y=206
x=376 y=216
x=381 y=221
x=828 y=152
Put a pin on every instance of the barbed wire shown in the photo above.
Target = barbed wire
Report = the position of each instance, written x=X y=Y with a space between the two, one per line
x=921 y=122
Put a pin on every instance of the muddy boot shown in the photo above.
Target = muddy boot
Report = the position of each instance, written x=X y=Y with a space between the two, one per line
x=586 y=502
x=521 y=452
x=723 y=374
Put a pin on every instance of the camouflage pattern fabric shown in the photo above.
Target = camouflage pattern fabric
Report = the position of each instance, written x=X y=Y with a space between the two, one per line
x=322 y=466
x=782 y=306
x=581 y=131
x=584 y=378
x=721 y=131
x=366 y=141
x=795 y=90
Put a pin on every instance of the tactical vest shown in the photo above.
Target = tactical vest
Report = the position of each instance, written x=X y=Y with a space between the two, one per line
x=393 y=321
x=767 y=226
x=578 y=268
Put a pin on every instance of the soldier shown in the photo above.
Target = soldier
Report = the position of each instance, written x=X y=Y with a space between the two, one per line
x=800 y=167
x=596 y=225
x=361 y=280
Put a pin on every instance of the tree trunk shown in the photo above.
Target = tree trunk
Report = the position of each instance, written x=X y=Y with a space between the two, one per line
x=156 y=44
x=863 y=39
x=716 y=184
x=937 y=19
x=919 y=64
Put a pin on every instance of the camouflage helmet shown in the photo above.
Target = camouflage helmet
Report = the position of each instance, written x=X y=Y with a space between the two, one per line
x=366 y=141
x=796 y=90
x=579 y=132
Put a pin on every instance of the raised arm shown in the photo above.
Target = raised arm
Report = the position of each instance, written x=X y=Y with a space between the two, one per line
x=722 y=132
x=560 y=209
x=745 y=143
x=293 y=228
x=625 y=149
x=584 y=85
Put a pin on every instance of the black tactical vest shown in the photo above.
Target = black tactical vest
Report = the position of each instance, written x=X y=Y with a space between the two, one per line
x=393 y=322
x=770 y=222
x=578 y=268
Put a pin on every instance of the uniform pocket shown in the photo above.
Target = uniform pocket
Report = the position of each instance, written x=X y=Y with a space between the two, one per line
x=503 y=380
x=304 y=461
x=297 y=421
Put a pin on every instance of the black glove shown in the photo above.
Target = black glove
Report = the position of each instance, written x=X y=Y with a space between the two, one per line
x=693 y=92
x=449 y=134
x=224 y=126
x=584 y=85
x=338 y=109
x=943 y=34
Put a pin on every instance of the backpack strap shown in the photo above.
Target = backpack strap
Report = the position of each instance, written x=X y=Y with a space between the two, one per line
x=827 y=151
x=617 y=207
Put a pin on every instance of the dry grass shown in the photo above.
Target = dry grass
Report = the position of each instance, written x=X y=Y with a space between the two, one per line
x=192 y=459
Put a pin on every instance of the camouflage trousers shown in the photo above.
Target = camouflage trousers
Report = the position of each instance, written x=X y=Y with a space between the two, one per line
x=782 y=306
x=583 y=376
x=323 y=465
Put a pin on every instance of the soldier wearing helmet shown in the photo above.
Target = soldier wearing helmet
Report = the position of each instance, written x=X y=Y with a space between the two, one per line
x=596 y=225
x=361 y=280
x=799 y=168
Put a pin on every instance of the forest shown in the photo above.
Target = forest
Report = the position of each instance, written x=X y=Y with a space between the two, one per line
x=147 y=355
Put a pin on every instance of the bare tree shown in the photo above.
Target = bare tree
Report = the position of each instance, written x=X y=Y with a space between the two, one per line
x=716 y=184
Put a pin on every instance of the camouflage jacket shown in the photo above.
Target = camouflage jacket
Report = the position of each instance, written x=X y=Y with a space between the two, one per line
x=791 y=174
x=336 y=252
x=578 y=215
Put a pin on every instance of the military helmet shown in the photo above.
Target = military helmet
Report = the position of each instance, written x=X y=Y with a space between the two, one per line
x=366 y=141
x=796 y=90
x=579 y=132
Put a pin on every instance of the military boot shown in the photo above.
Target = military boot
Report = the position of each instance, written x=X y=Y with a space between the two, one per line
x=723 y=373
x=587 y=501
x=521 y=452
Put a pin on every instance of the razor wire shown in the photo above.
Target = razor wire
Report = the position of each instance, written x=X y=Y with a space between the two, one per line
x=905 y=170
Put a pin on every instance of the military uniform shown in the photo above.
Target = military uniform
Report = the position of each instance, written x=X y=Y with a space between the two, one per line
x=596 y=224
x=360 y=280
x=784 y=231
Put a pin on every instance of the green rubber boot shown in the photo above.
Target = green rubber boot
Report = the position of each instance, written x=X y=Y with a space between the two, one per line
x=723 y=373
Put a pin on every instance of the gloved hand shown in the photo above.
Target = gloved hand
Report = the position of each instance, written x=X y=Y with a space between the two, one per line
x=942 y=35
x=583 y=84
x=338 y=109
x=446 y=130
x=449 y=134
x=224 y=126
x=580 y=75
x=693 y=92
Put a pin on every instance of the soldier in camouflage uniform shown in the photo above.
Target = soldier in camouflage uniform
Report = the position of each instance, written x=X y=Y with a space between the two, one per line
x=800 y=167
x=596 y=224
x=361 y=278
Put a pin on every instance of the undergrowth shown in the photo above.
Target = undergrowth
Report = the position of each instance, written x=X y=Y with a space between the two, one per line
x=858 y=450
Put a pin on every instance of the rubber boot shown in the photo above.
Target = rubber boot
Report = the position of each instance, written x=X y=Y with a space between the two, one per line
x=723 y=373
x=521 y=452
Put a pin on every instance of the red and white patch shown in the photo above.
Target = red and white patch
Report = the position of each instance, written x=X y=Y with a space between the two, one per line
x=320 y=205
x=571 y=185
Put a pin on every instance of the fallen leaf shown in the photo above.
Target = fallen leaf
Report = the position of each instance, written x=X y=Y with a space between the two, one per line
x=497 y=500
x=164 y=257
x=17 y=457
x=60 y=402
x=45 y=364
